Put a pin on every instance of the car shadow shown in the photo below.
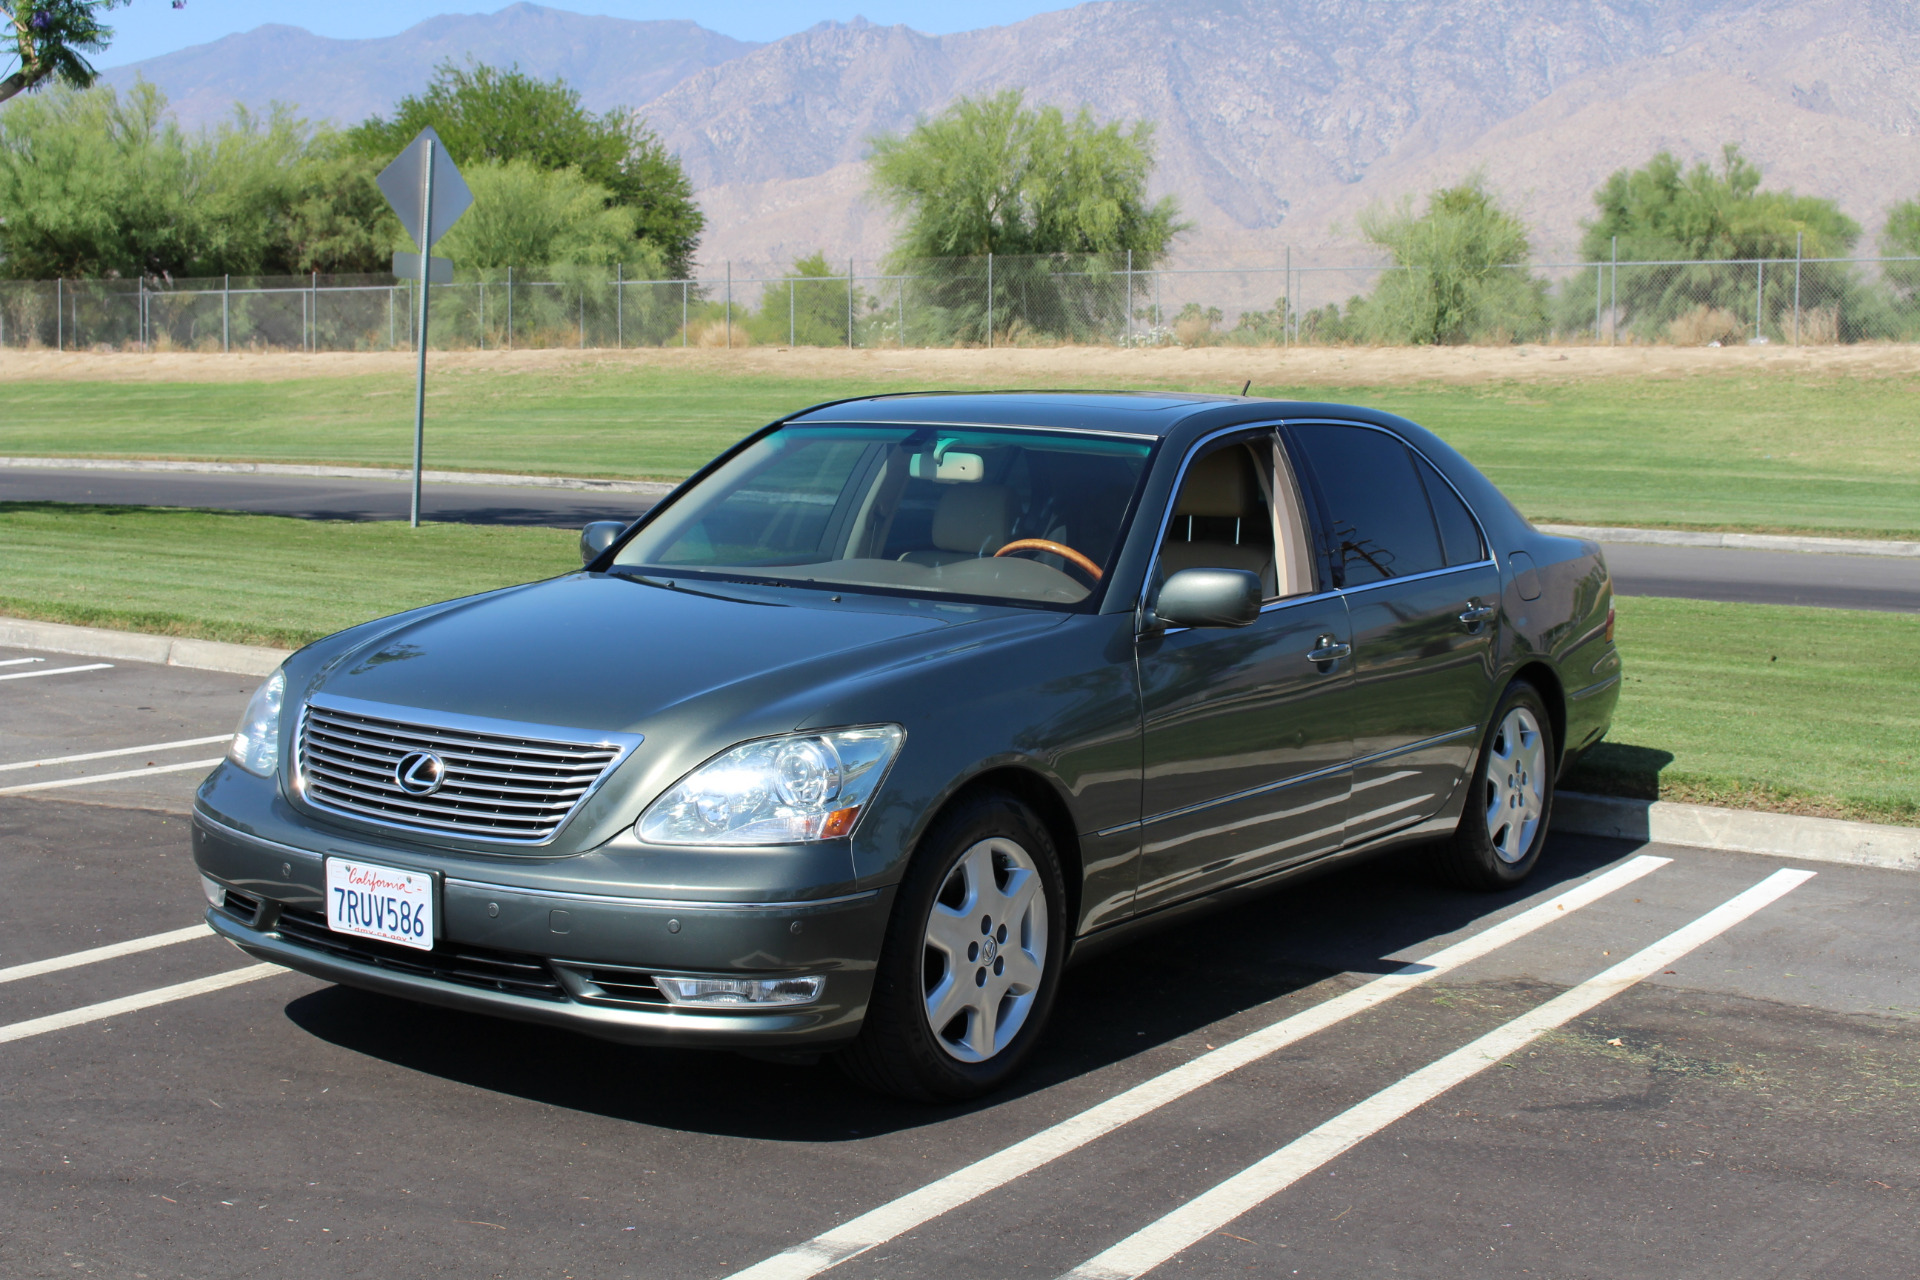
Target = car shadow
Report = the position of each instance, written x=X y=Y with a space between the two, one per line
x=1142 y=994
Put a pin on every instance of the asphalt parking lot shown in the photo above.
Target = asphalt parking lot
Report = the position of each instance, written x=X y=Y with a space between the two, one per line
x=1654 y=1062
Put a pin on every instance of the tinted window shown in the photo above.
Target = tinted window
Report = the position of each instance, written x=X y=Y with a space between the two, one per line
x=1025 y=516
x=1375 y=519
x=1458 y=533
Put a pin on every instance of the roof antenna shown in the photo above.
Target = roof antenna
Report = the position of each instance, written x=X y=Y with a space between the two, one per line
x=1243 y=386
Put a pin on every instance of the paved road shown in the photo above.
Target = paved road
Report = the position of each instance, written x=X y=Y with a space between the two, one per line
x=1748 y=1110
x=1763 y=577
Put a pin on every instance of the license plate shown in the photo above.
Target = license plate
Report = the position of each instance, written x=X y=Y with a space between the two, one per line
x=380 y=902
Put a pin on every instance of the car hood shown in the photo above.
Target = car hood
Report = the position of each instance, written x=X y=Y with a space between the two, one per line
x=607 y=653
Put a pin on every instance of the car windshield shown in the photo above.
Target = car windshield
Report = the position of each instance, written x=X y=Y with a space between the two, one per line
x=1022 y=516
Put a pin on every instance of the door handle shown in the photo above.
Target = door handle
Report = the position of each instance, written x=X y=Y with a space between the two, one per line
x=1327 y=649
x=1476 y=613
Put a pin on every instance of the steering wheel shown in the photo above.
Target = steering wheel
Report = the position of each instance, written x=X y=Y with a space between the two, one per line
x=1072 y=557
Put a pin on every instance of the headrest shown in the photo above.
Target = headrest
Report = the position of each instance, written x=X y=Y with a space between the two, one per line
x=973 y=518
x=1220 y=484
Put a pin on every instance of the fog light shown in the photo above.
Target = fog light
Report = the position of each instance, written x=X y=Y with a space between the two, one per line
x=215 y=891
x=735 y=992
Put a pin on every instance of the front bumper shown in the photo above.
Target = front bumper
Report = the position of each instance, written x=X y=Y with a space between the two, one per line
x=580 y=961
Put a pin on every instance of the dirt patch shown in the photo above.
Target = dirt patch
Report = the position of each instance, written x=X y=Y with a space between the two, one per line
x=1222 y=369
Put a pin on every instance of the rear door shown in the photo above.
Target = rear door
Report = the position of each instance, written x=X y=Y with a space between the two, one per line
x=1422 y=598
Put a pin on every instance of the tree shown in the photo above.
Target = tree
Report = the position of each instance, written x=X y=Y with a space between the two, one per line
x=1901 y=239
x=1706 y=219
x=485 y=114
x=525 y=216
x=96 y=183
x=809 y=308
x=51 y=40
x=990 y=176
x=1461 y=271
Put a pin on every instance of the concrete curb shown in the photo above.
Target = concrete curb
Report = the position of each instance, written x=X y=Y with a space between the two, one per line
x=133 y=646
x=1741 y=541
x=1780 y=835
x=653 y=487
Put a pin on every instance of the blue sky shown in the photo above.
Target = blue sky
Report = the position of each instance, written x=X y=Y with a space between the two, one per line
x=150 y=27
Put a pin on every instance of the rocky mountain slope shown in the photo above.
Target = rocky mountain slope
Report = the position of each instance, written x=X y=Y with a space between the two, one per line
x=1278 y=120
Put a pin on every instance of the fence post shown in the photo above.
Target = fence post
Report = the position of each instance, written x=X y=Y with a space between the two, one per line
x=683 y=311
x=989 y=300
x=1799 y=243
x=1129 y=297
x=226 y=313
x=1759 y=291
x=316 y=311
x=1599 y=285
x=849 y=303
x=1613 y=306
x=900 y=296
x=793 y=287
x=729 y=304
x=390 y=335
x=60 y=314
x=481 y=286
x=509 y=308
x=583 y=315
x=619 y=306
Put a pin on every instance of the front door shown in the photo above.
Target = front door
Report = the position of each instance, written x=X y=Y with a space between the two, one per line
x=1246 y=729
x=1422 y=597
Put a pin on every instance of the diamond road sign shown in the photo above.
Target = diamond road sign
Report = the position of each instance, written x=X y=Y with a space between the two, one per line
x=404 y=183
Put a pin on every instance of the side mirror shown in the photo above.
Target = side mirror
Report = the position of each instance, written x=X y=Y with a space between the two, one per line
x=1208 y=598
x=597 y=537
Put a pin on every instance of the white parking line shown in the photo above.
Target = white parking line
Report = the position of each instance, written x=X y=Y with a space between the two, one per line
x=18 y=662
x=55 y=671
x=1213 y=1210
x=944 y=1194
x=134 y=1003
x=113 y=951
x=117 y=751
x=110 y=777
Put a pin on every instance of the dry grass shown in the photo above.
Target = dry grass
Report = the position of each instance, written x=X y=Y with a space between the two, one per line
x=1703 y=326
x=1223 y=368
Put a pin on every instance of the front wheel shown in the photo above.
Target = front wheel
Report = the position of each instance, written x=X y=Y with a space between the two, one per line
x=1510 y=799
x=972 y=957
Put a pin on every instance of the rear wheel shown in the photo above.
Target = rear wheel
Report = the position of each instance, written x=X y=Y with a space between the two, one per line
x=972 y=957
x=1510 y=799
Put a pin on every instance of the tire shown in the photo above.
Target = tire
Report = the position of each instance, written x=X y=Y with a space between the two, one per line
x=972 y=957
x=1510 y=799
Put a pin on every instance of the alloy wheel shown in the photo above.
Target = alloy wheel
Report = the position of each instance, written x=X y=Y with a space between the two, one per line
x=984 y=950
x=1516 y=792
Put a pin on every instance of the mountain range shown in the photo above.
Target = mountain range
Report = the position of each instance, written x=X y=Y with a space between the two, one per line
x=1277 y=121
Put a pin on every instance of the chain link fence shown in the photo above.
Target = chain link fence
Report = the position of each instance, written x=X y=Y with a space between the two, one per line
x=992 y=301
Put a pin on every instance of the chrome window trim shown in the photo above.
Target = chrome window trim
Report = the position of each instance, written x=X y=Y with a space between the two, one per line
x=970 y=426
x=1173 y=497
x=456 y=722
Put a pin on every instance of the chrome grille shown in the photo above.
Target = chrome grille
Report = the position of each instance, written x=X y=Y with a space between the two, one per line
x=497 y=786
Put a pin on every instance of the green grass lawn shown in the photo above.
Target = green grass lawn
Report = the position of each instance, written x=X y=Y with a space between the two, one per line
x=1759 y=706
x=1755 y=451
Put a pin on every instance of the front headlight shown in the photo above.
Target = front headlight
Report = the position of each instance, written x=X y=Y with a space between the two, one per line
x=786 y=790
x=256 y=743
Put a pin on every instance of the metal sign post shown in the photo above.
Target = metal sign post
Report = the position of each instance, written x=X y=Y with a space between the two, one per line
x=425 y=188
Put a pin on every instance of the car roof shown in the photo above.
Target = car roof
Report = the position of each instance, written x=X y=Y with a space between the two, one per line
x=1154 y=413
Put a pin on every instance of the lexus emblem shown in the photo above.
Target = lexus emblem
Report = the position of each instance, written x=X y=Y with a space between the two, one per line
x=420 y=773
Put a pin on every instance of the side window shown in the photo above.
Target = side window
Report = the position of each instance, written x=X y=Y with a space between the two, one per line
x=1376 y=522
x=1223 y=515
x=1459 y=535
